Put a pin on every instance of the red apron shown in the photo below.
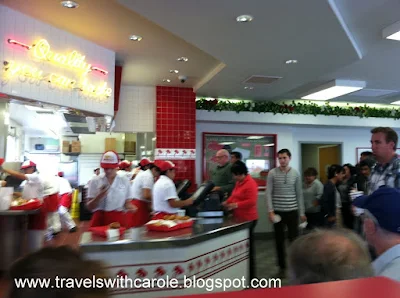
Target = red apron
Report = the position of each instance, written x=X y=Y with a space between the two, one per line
x=104 y=218
x=66 y=200
x=50 y=202
x=39 y=221
x=141 y=216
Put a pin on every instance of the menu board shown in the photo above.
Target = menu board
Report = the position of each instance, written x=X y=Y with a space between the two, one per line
x=258 y=152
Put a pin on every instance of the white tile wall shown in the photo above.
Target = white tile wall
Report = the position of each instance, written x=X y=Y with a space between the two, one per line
x=25 y=29
x=137 y=109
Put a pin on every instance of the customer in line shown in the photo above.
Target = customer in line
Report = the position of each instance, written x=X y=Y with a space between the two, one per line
x=62 y=262
x=243 y=203
x=312 y=192
x=284 y=201
x=328 y=255
x=381 y=224
x=331 y=202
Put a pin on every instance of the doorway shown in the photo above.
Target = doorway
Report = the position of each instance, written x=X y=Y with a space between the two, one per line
x=320 y=156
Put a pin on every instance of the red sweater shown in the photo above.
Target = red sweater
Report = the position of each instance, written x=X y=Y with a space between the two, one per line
x=245 y=195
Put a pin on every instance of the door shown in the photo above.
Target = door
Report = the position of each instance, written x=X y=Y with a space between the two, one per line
x=328 y=155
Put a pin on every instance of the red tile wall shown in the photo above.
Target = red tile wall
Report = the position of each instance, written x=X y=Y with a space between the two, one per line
x=176 y=126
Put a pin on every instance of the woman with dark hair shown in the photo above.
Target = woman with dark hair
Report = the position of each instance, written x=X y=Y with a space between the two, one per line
x=312 y=192
x=243 y=203
x=331 y=201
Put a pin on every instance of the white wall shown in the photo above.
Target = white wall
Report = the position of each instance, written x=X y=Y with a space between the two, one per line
x=137 y=109
x=288 y=136
x=20 y=27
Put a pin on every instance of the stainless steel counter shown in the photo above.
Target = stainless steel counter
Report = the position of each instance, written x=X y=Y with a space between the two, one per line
x=141 y=239
x=13 y=228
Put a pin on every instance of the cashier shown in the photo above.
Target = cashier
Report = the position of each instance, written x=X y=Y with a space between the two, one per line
x=243 y=203
x=125 y=169
x=37 y=186
x=109 y=195
x=165 y=198
x=142 y=187
x=222 y=175
x=144 y=165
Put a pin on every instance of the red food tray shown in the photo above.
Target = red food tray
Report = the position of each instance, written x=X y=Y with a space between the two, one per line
x=183 y=225
x=28 y=206
x=102 y=230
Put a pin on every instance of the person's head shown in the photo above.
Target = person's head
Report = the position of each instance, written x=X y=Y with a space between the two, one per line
x=62 y=262
x=125 y=165
x=109 y=163
x=155 y=170
x=349 y=170
x=235 y=156
x=222 y=157
x=328 y=255
x=28 y=167
x=97 y=171
x=366 y=166
x=366 y=154
x=336 y=173
x=239 y=170
x=145 y=164
x=167 y=168
x=284 y=157
x=384 y=143
x=381 y=220
x=310 y=174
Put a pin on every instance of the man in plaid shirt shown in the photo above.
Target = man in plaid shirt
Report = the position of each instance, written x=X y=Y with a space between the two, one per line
x=387 y=168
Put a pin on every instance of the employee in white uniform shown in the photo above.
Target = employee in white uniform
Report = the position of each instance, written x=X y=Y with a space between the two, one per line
x=65 y=203
x=125 y=169
x=109 y=195
x=144 y=165
x=142 y=187
x=38 y=186
x=165 y=198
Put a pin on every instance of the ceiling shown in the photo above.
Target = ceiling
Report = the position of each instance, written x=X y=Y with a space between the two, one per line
x=331 y=39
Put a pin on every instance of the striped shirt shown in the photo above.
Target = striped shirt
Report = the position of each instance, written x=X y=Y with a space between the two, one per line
x=284 y=191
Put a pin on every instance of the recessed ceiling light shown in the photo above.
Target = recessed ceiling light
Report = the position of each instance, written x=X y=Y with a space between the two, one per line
x=244 y=18
x=291 y=61
x=248 y=88
x=183 y=59
x=173 y=71
x=166 y=81
x=135 y=38
x=69 y=4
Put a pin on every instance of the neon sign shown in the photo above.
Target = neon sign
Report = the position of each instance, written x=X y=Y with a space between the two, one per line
x=41 y=50
x=36 y=75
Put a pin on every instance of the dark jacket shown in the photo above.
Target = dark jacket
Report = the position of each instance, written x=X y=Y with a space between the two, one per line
x=328 y=200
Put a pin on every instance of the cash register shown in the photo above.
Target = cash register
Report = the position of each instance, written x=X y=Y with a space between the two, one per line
x=206 y=204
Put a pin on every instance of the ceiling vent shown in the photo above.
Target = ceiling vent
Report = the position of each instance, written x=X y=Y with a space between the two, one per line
x=374 y=92
x=263 y=80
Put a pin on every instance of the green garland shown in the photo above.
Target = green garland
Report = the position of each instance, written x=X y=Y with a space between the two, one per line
x=309 y=108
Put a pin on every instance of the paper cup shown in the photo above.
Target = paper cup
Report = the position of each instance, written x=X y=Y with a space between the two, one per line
x=277 y=218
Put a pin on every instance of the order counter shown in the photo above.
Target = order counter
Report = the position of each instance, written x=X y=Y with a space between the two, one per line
x=13 y=229
x=211 y=248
